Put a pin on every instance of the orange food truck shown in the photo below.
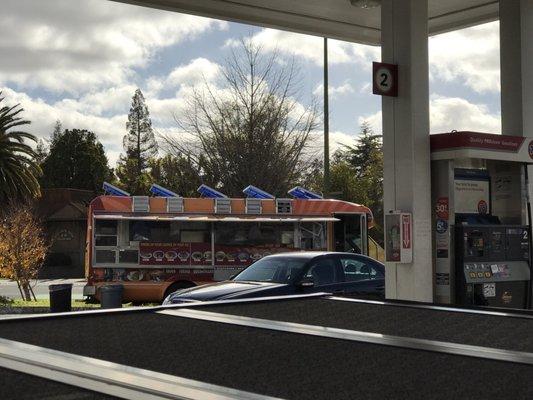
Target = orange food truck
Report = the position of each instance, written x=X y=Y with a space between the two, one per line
x=156 y=245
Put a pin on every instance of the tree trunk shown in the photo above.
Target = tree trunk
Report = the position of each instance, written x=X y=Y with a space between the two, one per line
x=20 y=289
x=26 y=290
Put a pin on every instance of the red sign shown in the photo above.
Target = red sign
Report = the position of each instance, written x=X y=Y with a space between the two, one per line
x=482 y=207
x=406 y=231
x=475 y=140
x=385 y=79
x=442 y=208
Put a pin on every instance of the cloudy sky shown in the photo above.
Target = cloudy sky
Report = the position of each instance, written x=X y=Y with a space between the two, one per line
x=80 y=62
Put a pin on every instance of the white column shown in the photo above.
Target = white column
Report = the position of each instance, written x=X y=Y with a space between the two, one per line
x=516 y=66
x=516 y=69
x=404 y=37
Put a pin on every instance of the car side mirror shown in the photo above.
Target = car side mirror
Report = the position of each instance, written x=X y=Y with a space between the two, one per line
x=306 y=282
x=232 y=276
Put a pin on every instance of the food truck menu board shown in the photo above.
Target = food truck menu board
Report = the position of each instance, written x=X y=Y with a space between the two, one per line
x=200 y=253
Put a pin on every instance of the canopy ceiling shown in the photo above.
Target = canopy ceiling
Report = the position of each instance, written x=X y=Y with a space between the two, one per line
x=333 y=18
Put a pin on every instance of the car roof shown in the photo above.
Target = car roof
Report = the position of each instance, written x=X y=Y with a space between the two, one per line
x=312 y=254
x=301 y=254
x=308 y=254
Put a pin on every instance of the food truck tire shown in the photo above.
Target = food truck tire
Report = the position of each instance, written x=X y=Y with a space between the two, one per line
x=176 y=286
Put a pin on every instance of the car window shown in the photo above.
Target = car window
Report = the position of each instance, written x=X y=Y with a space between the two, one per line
x=273 y=269
x=322 y=272
x=357 y=270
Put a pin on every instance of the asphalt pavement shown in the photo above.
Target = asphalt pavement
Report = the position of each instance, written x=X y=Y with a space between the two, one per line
x=40 y=287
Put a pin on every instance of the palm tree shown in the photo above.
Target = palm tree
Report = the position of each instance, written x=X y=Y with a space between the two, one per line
x=18 y=169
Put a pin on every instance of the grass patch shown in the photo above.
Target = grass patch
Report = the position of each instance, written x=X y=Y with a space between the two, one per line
x=46 y=303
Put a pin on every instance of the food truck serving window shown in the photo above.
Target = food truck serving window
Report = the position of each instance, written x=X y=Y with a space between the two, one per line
x=106 y=233
x=254 y=234
x=168 y=231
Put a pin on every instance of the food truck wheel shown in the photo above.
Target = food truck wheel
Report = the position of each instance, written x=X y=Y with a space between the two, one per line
x=176 y=286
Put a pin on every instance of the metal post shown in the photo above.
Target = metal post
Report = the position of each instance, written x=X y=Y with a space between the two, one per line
x=326 y=120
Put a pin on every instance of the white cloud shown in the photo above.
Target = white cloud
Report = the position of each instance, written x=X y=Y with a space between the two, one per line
x=374 y=120
x=470 y=56
x=197 y=71
x=107 y=101
x=194 y=74
x=451 y=113
x=335 y=91
x=366 y=88
x=43 y=116
x=67 y=46
x=311 y=48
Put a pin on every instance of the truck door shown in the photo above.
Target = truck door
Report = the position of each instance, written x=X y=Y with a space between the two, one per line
x=350 y=233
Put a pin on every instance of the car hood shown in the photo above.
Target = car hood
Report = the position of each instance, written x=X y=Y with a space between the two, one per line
x=224 y=290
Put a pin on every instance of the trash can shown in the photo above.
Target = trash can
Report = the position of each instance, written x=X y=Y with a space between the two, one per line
x=60 y=297
x=111 y=296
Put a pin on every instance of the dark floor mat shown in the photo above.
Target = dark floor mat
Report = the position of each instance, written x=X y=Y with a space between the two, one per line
x=275 y=363
x=474 y=329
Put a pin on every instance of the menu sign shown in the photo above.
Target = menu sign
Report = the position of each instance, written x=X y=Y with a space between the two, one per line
x=164 y=253
x=201 y=254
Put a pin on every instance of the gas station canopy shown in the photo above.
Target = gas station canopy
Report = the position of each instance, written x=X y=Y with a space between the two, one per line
x=332 y=18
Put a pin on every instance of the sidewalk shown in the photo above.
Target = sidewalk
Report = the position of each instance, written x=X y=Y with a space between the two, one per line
x=9 y=288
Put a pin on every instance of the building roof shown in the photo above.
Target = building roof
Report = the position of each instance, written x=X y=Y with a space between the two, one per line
x=64 y=204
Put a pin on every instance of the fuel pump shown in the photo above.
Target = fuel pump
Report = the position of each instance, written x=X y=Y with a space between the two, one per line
x=482 y=220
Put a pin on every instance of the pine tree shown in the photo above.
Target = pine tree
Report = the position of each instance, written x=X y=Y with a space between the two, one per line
x=139 y=145
x=58 y=130
x=41 y=152
x=357 y=172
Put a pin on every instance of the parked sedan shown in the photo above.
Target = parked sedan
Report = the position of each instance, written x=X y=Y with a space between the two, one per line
x=294 y=273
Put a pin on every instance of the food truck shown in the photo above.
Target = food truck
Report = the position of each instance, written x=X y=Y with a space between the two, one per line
x=156 y=245
x=482 y=219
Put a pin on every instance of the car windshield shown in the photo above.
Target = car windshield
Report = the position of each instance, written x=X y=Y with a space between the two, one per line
x=273 y=269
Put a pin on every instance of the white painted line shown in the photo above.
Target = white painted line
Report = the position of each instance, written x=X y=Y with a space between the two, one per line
x=110 y=378
x=359 y=336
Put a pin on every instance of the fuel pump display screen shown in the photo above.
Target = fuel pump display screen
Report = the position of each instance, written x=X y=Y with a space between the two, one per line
x=497 y=243
x=474 y=244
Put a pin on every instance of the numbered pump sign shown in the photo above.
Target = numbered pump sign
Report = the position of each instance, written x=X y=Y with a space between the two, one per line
x=385 y=79
x=399 y=237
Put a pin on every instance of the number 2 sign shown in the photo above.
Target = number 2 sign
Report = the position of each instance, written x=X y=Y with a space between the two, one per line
x=385 y=79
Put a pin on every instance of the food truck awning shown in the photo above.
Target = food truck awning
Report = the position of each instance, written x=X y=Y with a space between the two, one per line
x=212 y=218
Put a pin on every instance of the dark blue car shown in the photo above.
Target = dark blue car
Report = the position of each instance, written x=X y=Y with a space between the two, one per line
x=295 y=273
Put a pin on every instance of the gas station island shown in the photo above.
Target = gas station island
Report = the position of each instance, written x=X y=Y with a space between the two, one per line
x=482 y=219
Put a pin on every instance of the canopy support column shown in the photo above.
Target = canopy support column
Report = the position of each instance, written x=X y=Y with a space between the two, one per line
x=406 y=143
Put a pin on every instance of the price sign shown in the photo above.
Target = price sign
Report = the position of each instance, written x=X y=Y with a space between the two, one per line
x=385 y=79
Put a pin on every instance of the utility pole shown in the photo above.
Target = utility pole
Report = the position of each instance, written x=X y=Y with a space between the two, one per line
x=326 y=121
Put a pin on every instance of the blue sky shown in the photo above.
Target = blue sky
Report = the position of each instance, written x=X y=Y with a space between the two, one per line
x=81 y=61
